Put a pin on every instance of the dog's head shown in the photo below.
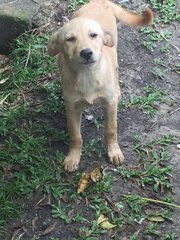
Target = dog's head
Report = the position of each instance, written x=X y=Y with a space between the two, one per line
x=80 y=40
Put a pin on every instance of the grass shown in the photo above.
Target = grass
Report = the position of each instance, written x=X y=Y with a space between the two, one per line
x=154 y=170
x=74 y=4
x=25 y=158
x=150 y=100
x=165 y=13
x=168 y=10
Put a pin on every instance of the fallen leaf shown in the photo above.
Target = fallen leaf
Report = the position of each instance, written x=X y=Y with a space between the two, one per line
x=4 y=59
x=101 y=219
x=97 y=174
x=48 y=230
x=84 y=182
x=104 y=222
x=156 y=219
x=5 y=69
x=34 y=222
x=107 y=225
x=18 y=233
x=86 y=177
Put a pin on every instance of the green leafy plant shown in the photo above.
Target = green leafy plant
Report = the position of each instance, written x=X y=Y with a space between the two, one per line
x=74 y=4
x=59 y=212
x=150 y=101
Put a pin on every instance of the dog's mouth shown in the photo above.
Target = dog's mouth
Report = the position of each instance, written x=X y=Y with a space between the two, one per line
x=89 y=62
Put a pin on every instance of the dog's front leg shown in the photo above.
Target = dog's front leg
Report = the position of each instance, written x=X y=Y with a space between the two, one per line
x=114 y=152
x=71 y=162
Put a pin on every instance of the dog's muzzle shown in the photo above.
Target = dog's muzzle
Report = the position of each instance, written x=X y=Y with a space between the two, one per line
x=86 y=54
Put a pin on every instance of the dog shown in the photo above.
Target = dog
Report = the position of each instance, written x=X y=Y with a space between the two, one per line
x=87 y=50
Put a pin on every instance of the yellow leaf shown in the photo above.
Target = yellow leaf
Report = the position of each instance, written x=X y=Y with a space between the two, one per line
x=104 y=222
x=97 y=174
x=107 y=225
x=101 y=219
x=84 y=182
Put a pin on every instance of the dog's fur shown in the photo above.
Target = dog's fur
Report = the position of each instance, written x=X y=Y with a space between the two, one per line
x=87 y=48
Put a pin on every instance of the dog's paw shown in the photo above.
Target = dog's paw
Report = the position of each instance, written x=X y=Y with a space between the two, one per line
x=115 y=155
x=71 y=162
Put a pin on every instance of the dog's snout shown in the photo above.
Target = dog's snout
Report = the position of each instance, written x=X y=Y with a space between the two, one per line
x=86 y=53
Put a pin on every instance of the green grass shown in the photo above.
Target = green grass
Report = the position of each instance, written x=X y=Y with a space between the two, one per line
x=151 y=98
x=153 y=170
x=74 y=4
x=25 y=159
x=168 y=10
x=165 y=13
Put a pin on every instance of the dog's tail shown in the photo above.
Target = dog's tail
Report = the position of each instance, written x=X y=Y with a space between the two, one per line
x=132 y=19
x=127 y=17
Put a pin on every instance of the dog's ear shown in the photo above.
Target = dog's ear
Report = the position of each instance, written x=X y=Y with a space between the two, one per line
x=54 y=45
x=108 y=39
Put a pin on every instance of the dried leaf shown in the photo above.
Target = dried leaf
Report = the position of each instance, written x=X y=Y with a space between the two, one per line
x=18 y=233
x=97 y=174
x=84 y=182
x=49 y=229
x=5 y=69
x=156 y=219
x=4 y=60
x=86 y=178
x=34 y=222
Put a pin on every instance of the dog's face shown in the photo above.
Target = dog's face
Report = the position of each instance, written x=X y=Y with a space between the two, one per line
x=81 y=41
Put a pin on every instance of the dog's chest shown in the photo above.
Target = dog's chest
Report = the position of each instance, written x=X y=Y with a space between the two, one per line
x=88 y=87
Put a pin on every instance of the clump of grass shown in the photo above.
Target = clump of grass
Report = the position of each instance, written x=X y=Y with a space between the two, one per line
x=168 y=10
x=151 y=100
x=74 y=4
x=154 y=169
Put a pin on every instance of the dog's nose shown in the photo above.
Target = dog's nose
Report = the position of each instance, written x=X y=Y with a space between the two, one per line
x=86 y=53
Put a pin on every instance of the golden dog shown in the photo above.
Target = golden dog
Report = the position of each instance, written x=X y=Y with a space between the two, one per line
x=87 y=48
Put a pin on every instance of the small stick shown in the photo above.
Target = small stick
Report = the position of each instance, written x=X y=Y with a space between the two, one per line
x=176 y=110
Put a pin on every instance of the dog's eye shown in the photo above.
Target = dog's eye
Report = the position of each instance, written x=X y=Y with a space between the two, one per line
x=93 y=35
x=70 y=39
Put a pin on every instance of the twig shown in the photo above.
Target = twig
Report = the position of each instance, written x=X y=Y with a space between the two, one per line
x=20 y=92
x=1 y=102
x=27 y=60
x=38 y=28
x=113 y=205
x=176 y=110
x=151 y=127
x=156 y=201
x=167 y=40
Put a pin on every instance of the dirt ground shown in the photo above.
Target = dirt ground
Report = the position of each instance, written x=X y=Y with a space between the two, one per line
x=136 y=72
